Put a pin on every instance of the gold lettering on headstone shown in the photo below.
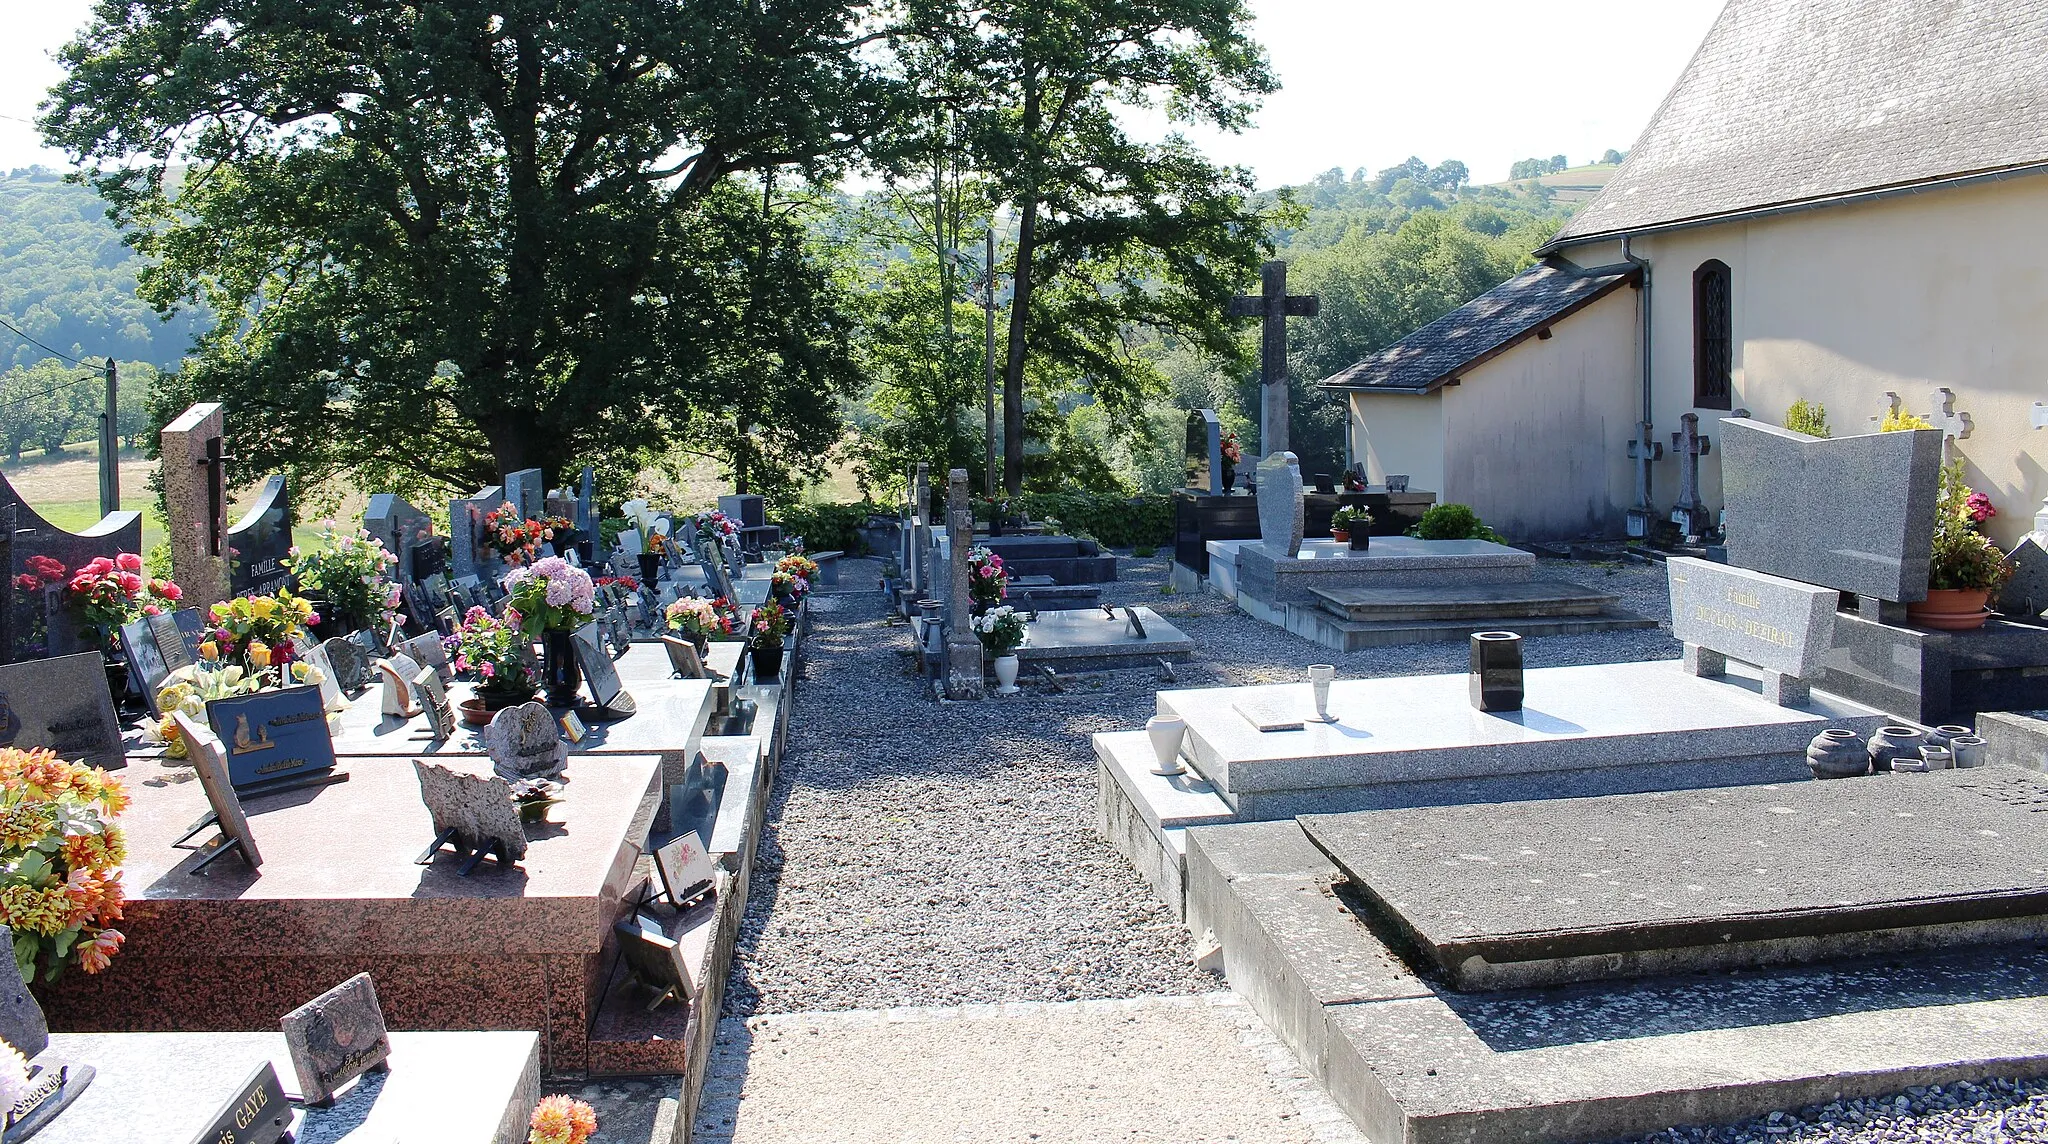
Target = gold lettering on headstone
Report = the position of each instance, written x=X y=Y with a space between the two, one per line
x=251 y=1108
x=1754 y=629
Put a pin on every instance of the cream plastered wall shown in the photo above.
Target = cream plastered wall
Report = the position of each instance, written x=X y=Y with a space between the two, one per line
x=1536 y=439
x=1842 y=304
x=1400 y=433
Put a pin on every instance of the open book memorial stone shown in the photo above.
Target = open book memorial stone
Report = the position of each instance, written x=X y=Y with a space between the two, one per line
x=63 y=704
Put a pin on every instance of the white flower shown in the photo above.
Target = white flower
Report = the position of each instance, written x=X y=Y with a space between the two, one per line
x=13 y=1076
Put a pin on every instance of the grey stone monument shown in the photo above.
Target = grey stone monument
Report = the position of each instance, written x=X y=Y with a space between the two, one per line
x=1281 y=513
x=1783 y=626
x=963 y=650
x=1272 y=306
x=260 y=541
x=1690 y=512
x=1854 y=513
x=399 y=527
x=194 y=469
x=2026 y=594
x=525 y=491
x=524 y=742
x=465 y=522
x=63 y=704
x=586 y=495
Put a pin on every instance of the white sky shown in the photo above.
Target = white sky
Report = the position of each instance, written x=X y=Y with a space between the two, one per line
x=1366 y=82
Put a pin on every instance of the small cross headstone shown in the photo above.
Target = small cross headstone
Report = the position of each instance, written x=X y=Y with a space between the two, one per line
x=335 y=1038
x=1690 y=513
x=524 y=742
x=1954 y=426
x=1273 y=306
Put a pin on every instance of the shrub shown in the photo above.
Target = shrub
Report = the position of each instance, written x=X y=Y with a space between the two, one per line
x=1452 y=522
x=828 y=527
x=1808 y=417
x=1114 y=521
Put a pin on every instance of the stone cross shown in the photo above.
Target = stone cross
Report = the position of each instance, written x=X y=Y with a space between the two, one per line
x=195 y=499
x=1954 y=426
x=1690 y=514
x=963 y=649
x=1273 y=306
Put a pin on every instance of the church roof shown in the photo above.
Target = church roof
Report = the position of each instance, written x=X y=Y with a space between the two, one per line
x=1479 y=329
x=1799 y=101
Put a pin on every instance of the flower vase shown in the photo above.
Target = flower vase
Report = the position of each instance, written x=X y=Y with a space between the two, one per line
x=1006 y=674
x=1888 y=745
x=650 y=569
x=1495 y=681
x=1166 y=733
x=767 y=661
x=560 y=673
x=1229 y=477
x=1361 y=538
x=1837 y=753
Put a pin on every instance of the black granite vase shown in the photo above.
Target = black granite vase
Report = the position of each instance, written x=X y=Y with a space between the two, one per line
x=561 y=676
x=1496 y=678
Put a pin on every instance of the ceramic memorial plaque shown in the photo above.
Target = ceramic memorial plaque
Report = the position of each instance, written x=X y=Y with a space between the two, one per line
x=683 y=658
x=398 y=673
x=331 y=696
x=600 y=673
x=351 y=668
x=210 y=762
x=64 y=704
x=432 y=698
x=336 y=1037
x=476 y=813
x=273 y=735
x=524 y=743
x=429 y=651
x=686 y=868
x=1280 y=506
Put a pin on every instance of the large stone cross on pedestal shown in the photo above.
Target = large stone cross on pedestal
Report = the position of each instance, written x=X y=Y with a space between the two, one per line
x=963 y=647
x=1690 y=513
x=1273 y=306
x=194 y=468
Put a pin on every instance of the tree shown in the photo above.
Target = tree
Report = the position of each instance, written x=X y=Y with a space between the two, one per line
x=455 y=239
x=1611 y=156
x=1448 y=175
x=1111 y=234
x=1558 y=163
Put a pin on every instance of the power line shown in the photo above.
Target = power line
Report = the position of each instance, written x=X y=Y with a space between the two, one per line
x=10 y=326
x=53 y=390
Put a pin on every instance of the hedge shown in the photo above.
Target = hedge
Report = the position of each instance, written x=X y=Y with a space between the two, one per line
x=828 y=527
x=1117 y=522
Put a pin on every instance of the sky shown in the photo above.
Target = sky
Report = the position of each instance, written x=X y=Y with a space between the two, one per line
x=1366 y=83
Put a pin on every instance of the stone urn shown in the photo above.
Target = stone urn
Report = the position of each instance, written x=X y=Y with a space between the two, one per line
x=1837 y=753
x=1166 y=733
x=1891 y=744
x=1945 y=734
x=1968 y=751
x=1006 y=673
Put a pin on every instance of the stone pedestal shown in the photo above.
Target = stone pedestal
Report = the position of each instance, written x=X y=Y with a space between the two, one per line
x=194 y=473
x=963 y=650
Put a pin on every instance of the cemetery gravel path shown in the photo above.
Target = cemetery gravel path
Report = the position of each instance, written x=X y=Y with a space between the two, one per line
x=925 y=861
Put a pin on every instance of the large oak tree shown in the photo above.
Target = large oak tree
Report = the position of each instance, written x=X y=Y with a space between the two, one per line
x=453 y=238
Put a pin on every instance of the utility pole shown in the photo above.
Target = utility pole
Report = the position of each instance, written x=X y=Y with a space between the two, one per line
x=988 y=361
x=110 y=448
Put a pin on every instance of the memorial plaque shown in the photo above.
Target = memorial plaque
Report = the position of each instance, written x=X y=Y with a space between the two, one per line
x=146 y=668
x=1777 y=624
x=22 y=1023
x=523 y=742
x=600 y=673
x=398 y=673
x=683 y=658
x=210 y=762
x=428 y=651
x=1854 y=513
x=178 y=635
x=351 y=667
x=1281 y=513
x=686 y=868
x=1270 y=714
x=433 y=700
x=258 y=1113
x=654 y=958
x=474 y=812
x=273 y=735
x=336 y=1037
x=331 y=696
x=63 y=704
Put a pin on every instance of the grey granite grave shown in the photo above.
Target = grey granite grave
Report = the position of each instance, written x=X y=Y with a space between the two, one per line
x=1090 y=641
x=63 y=704
x=261 y=540
x=2026 y=594
x=1409 y=1059
x=1544 y=893
x=401 y=528
x=963 y=650
x=525 y=742
x=1854 y=513
x=1784 y=626
x=525 y=491
x=1280 y=508
x=478 y=810
x=465 y=524
x=336 y=1037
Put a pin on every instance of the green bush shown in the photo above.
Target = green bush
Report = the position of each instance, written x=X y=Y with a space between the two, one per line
x=1114 y=521
x=608 y=530
x=1452 y=522
x=1808 y=417
x=827 y=527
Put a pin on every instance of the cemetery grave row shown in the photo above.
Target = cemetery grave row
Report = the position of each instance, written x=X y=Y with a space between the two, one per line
x=448 y=787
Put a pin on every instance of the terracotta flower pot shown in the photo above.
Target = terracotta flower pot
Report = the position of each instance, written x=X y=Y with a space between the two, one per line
x=1951 y=609
x=1341 y=535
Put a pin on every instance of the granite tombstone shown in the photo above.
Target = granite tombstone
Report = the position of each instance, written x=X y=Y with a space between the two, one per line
x=526 y=492
x=1281 y=512
x=210 y=762
x=259 y=543
x=194 y=470
x=1205 y=453
x=63 y=704
x=351 y=666
x=474 y=814
x=335 y=1038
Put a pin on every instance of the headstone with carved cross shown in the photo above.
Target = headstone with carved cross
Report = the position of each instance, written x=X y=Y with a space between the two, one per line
x=1273 y=306
x=1954 y=426
x=1690 y=513
x=195 y=479
x=963 y=647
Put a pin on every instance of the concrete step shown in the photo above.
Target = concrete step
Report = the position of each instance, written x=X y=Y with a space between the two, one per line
x=1489 y=602
x=1355 y=635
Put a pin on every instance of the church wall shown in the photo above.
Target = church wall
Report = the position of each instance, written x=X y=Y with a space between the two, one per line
x=1842 y=304
x=1536 y=439
x=1400 y=433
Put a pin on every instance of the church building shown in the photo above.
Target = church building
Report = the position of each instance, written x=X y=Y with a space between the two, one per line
x=1843 y=202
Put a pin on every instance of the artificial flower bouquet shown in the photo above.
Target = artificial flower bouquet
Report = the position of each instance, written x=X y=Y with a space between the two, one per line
x=1000 y=630
x=60 y=862
x=257 y=631
x=109 y=593
x=551 y=595
x=987 y=583
x=351 y=571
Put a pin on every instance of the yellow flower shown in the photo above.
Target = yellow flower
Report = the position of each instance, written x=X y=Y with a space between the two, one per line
x=265 y=608
x=259 y=654
x=209 y=651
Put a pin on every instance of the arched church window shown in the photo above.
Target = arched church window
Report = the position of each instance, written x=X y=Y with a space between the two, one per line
x=1713 y=336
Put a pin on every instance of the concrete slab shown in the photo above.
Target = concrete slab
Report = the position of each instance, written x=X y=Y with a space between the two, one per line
x=1465 y=602
x=1146 y=816
x=1315 y=623
x=1424 y=728
x=1391 y=562
x=1567 y=890
x=1091 y=641
x=2019 y=738
x=1413 y=1063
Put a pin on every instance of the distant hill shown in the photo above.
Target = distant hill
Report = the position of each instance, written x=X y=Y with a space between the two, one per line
x=1573 y=184
x=67 y=281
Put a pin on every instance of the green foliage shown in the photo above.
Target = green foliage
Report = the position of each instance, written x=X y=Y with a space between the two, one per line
x=460 y=238
x=1962 y=557
x=1808 y=417
x=826 y=527
x=608 y=530
x=1452 y=522
x=50 y=403
x=70 y=284
x=1118 y=522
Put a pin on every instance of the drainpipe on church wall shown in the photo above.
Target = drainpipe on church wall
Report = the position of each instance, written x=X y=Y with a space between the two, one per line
x=1645 y=449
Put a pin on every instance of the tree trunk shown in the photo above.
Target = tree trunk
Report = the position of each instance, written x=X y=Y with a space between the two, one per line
x=1013 y=366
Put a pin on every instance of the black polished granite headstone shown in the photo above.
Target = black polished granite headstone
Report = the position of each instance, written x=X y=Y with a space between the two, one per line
x=261 y=540
x=1851 y=513
x=1540 y=893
